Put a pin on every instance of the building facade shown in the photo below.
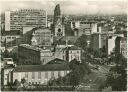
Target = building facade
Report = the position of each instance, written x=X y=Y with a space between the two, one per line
x=40 y=74
x=29 y=54
x=98 y=40
x=58 y=23
x=111 y=44
x=6 y=75
x=123 y=46
x=15 y=20
x=42 y=36
x=84 y=27
x=10 y=38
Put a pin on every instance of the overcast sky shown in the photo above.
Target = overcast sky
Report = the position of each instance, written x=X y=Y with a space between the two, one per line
x=68 y=6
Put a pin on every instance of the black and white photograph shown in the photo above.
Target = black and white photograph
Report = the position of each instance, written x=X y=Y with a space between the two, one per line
x=63 y=45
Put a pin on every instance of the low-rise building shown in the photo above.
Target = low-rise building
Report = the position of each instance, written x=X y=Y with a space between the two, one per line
x=73 y=53
x=28 y=54
x=40 y=74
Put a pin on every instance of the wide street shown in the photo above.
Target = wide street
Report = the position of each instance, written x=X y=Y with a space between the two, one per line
x=95 y=79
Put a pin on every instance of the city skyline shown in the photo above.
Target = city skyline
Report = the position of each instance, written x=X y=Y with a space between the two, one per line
x=68 y=7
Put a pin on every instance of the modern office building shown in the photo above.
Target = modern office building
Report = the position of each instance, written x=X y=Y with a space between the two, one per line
x=16 y=20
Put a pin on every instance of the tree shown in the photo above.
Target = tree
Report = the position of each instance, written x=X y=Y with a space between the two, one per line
x=81 y=42
x=75 y=77
x=73 y=64
x=16 y=84
x=117 y=77
x=23 y=81
x=6 y=54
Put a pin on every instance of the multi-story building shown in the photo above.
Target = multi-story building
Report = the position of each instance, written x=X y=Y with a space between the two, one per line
x=16 y=20
x=84 y=27
x=28 y=54
x=40 y=74
x=98 y=40
x=73 y=53
x=111 y=44
x=42 y=36
x=10 y=38
x=68 y=53
x=123 y=46
x=6 y=74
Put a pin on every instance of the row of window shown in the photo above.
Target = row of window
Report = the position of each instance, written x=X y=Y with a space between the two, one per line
x=52 y=75
x=11 y=37
x=73 y=51
x=77 y=57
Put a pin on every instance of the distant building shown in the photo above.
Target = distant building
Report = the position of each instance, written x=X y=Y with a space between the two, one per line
x=29 y=54
x=40 y=74
x=59 y=29
x=16 y=20
x=42 y=36
x=84 y=27
x=123 y=46
x=98 y=40
x=111 y=44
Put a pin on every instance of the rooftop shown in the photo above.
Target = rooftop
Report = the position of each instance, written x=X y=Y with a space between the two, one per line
x=57 y=61
x=11 y=32
x=30 y=47
x=39 y=48
x=72 y=48
x=47 y=67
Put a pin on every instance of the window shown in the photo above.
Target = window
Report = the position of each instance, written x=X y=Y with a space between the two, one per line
x=65 y=72
x=46 y=74
x=8 y=37
x=59 y=30
x=59 y=73
x=52 y=74
x=33 y=75
x=78 y=57
x=13 y=37
x=29 y=83
x=71 y=57
x=39 y=75
x=26 y=75
x=77 y=51
x=63 y=57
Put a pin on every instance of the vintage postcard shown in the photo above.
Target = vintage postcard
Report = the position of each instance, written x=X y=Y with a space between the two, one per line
x=63 y=45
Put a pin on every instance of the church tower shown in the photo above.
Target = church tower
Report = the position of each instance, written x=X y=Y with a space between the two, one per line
x=58 y=22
